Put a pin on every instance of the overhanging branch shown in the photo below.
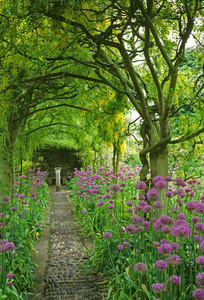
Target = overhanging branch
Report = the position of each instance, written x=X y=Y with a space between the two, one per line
x=52 y=125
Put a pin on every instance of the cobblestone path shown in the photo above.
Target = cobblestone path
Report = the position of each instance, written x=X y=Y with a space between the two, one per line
x=64 y=276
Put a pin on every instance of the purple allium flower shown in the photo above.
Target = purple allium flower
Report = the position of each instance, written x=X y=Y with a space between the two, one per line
x=200 y=260
x=169 y=194
x=111 y=206
x=158 y=287
x=156 y=244
x=7 y=247
x=99 y=204
x=140 y=196
x=197 y=239
x=136 y=219
x=130 y=229
x=181 y=231
x=161 y=265
x=120 y=247
x=165 y=249
x=6 y=199
x=158 y=178
x=126 y=244
x=147 y=208
x=107 y=235
x=1 y=225
x=146 y=224
x=129 y=203
x=158 y=205
x=153 y=194
x=138 y=208
x=83 y=211
x=179 y=182
x=175 y=280
x=37 y=224
x=20 y=216
x=166 y=229
x=200 y=208
x=21 y=196
x=195 y=220
x=198 y=294
x=157 y=225
x=9 y=284
x=111 y=201
x=129 y=210
x=15 y=195
x=2 y=215
x=199 y=227
x=13 y=208
x=174 y=260
x=115 y=188
x=140 y=185
x=191 y=206
x=181 y=217
x=164 y=219
x=202 y=246
x=9 y=276
x=142 y=203
x=175 y=246
x=161 y=184
x=168 y=178
x=140 y=267
x=200 y=279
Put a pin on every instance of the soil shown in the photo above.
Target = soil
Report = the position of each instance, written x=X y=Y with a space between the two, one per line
x=62 y=252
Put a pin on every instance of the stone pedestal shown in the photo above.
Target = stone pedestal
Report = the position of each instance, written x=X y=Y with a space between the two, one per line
x=58 y=179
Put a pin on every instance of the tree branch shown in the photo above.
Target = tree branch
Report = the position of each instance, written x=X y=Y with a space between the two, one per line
x=52 y=125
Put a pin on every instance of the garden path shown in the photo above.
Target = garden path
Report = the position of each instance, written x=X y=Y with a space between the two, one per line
x=64 y=277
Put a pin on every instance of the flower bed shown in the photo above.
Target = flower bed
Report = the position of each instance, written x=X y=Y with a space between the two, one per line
x=145 y=253
x=21 y=221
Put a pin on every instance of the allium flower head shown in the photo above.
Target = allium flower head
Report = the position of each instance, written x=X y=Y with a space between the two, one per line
x=202 y=246
x=114 y=187
x=6 y=199
x=165 y=249
x=107 y=235
x=168 y=178
x=179 y=182
x=120 y=247
x=169 y=194
x=136 y=219
x=165 y=220
x=147 y=208
x=161 y=184
x=181 y=231
x=126 y=244
x=198 y=294
x=158 y=205
x=83 y=211
x=195 y=220
x=200 y=260
x=140 y=185
x=175 y=246
x=161 y=265
x=130 y=229
x=156 y=244
x=153 y=194
x=99 y=204
x=200 y=279
x=158 y=287
x=111 y=206
x=138 y=208
x=146 y=224
x=175 y=280
x=158 y=178
x=9 y=276
x=129 y=203
x=198 y=239
x=174 y=260
x=191 y=206
x=13 y=208
x=140 y=267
